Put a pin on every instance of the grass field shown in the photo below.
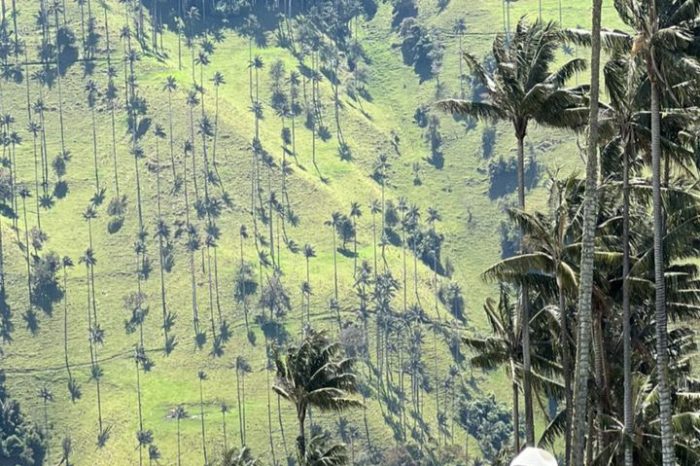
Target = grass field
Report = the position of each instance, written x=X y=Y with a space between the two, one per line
x=470 y=222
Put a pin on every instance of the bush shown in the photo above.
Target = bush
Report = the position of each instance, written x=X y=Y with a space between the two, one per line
x=487 y=421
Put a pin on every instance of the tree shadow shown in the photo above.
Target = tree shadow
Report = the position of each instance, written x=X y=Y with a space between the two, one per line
x=6 y=324
x=345 y=252
x=61 y=189
x=503 y=176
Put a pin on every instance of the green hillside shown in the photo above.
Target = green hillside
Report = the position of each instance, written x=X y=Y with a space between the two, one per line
x=378 y=120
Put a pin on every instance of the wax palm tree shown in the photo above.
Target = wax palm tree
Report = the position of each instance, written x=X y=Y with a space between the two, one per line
x=294 y=108
x=503 y=348
x=333 y=223
x=35 y=128
x=309 y=253
x=588 y=251
x=111 y=96
x=73 y=387
x=552 y=251
x=46 y=396
x=217 y=80
x=315 y=374
x=192 y=245
x=24 y=193
x=144 y=437
x=192 y=101
x=92 y=92
x=645 y=447
x=170 y=86
x=257 y=64
x=525 y=89
x=375 y=208
x=355 y=213
x=164 y=249
x=202 y=376
x=242 y=368
x=662 y=37
x=202 y=60
x=223 y=407
x=179 y=413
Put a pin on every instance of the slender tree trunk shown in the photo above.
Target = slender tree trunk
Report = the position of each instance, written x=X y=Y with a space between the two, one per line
x=240 y=414
x=516 y=410
x=583 y=346
x=171 y=135
x=565 y=363
x=201 y=409
x=661 y=319
x=301 y=439
x=138 y=396
x=626 y=316
x=524 y=300
x=65 y=326
x=179 y=456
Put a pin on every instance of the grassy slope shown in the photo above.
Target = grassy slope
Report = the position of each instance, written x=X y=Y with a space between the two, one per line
x=456 y=189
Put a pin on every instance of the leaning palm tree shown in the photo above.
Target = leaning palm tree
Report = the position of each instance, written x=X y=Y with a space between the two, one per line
x=524 y=89
x=315 y=374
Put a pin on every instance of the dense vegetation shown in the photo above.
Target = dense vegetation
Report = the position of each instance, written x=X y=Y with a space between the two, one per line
x=220 y=219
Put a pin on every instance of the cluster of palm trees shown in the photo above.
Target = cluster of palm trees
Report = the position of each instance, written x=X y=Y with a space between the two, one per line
x=112 y=93
x=594 y=278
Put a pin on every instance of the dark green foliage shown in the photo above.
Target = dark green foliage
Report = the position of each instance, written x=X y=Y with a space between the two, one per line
x=451 y=296
x=345 y=229
x=46 y=289
x=21 y=442
x=419 y=48
x=487 y=421
x=403 y=9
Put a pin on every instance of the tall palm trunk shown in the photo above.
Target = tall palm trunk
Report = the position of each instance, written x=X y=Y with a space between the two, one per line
x=140 y=410
x=583 y=346
x=65 y=328
x=521 y=129
x=565 y=362
x=201 y=411
x=301 y=439
x=94 y=148
x=626 y=322
x=335 y=267
x=170 y=134
x=160 y=254
x=179 y=462
x=661 y=319
x=240 y=414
